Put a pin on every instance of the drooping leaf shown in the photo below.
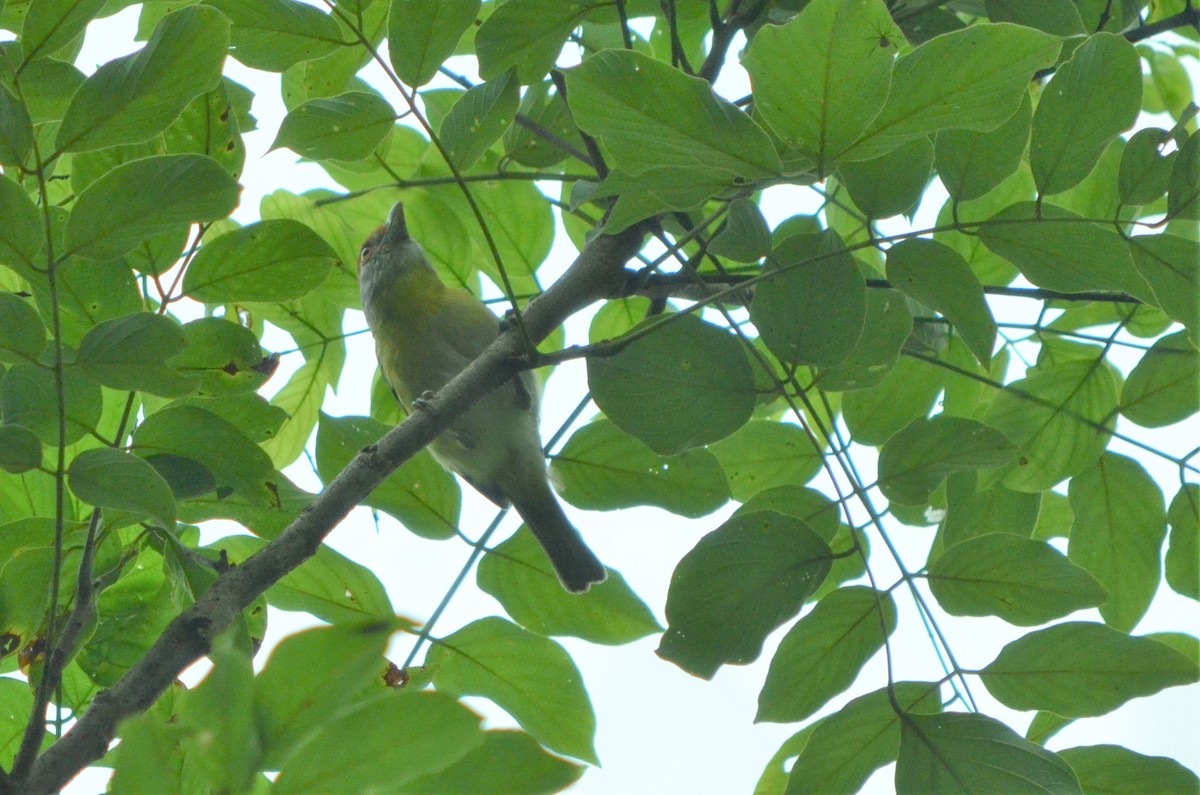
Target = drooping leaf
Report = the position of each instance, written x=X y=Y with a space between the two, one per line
x=108 y=478
x=890 y=184
x=527 y=34
x=886 y=328
x=423 y=33
x=917 y=459
x=479 y=118
x=1183 y=555
x=1164 y=388
x=21 y=236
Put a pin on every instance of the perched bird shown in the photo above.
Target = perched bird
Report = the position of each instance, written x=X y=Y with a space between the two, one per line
x=425 y=334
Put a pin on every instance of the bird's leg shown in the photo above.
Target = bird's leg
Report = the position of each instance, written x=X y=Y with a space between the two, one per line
x=421 y=402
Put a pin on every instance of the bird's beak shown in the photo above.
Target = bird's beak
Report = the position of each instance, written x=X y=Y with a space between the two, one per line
x=396 y=230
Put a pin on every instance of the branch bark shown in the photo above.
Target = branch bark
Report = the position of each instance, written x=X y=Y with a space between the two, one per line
x=594 y=274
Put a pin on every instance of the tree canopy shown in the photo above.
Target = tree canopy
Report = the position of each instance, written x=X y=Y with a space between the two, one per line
x=860 y=275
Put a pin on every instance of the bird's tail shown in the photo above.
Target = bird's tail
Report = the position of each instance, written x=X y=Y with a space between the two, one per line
x=577 y=566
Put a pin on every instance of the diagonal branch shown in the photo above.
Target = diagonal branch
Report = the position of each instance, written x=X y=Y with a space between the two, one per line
x=190 y=636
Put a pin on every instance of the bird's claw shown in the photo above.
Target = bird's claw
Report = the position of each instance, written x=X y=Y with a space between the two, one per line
x=423 y=400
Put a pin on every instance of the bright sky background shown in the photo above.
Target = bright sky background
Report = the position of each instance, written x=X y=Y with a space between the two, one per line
x=660 y=729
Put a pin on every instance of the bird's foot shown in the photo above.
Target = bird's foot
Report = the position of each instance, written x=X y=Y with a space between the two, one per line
x=422 y=401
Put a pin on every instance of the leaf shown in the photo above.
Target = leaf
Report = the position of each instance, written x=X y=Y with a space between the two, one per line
x=16 y=129
x=736 y=586
x=527 y=675
x=890 y=184
x=763 y=454
x=745 y=237
x=1171 y=266
x=110 y=478
x=146 y=197
x=1145 y=170
x=518 y=574
x=50 y=25
x=29 y=397
x=1093 y=97
x=907 y=393
x=423 y=33
x=20 y=449
x=1059 y=17
x=527 y=34
x=698 y=370
x=228 y=360
x=811 y=306
x=274 y=34
x=938 y=277
x=1120 y=525
x=602 y=468
x=346 y=127
x=479 y=118
x=21 y=236
x=1080 y=669
x=22 y=332
x=824 y=652
x=383 y=743
x=1162 y=389
x=1056 y=249
x=863 y=736
x=328 y=585
x=888 y=325
x=975 y=79
x=130 y=353
x=916 y=460
x=1183 y=555
x=959 y=752
x=132 y=99
x=1183 y=193
x=508 y=761
x=1114 y=769
x=647 y=114
x=273 y=260
x=309 y=678
x=973 y=510
x=821 y=78
x=1059 y=419
x=421 y=495
x=1022 y=581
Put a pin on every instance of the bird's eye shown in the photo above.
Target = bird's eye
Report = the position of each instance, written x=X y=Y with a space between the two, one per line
x=364 y=253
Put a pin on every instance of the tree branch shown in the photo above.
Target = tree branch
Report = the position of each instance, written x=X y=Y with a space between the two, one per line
x=190 y=636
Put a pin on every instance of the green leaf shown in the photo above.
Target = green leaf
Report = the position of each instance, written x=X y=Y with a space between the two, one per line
x=29 y=397
x=1059 y=17
x=852 y=743
x=938 y=277
x=110 y=478
x=228 y=360
x=423 y=33
x=1183 y=191
x=529 y=676
x=1112 y=769
x=328 y=585
x=892 y=183
x=745 y=236
x=1079 y=670
x=1183 y=555
x=16 y=699
x=274 y=34
x=1120 y=525
x=22 y=332
x=647 y=114
x=144 y=198
x=203 y=437
x=479 y=118
x=811 y=306
x=1162 y=389
x=274 y=260
x=219 y=714
x=527 y=34
x=916 y=460
x=736 y=586
x=51 y=24
x=822 y=78
x=130 y=353
x=810 y=506
x=907 y=392
x=975 y=79
x=823 y=653
x=421 y=495
x=132 y=99
x=764 y=454
x=508 y=761
x=20 y=449
x=1059 y=419
x=973 y=510
x=888 y=324
x=346 y=127
x=309 y=678
x=1171 y=266
x=21 y=234
x=697 y=369
x=1022 y=581
x=383 y=743
x=16 y=129
x=1093 y=97
x=1056 y=249
x=1145 y=170
x=603 y=468
x=518 y=574
x=958 y=752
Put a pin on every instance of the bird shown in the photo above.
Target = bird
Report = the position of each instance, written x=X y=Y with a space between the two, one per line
x=425 y=334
